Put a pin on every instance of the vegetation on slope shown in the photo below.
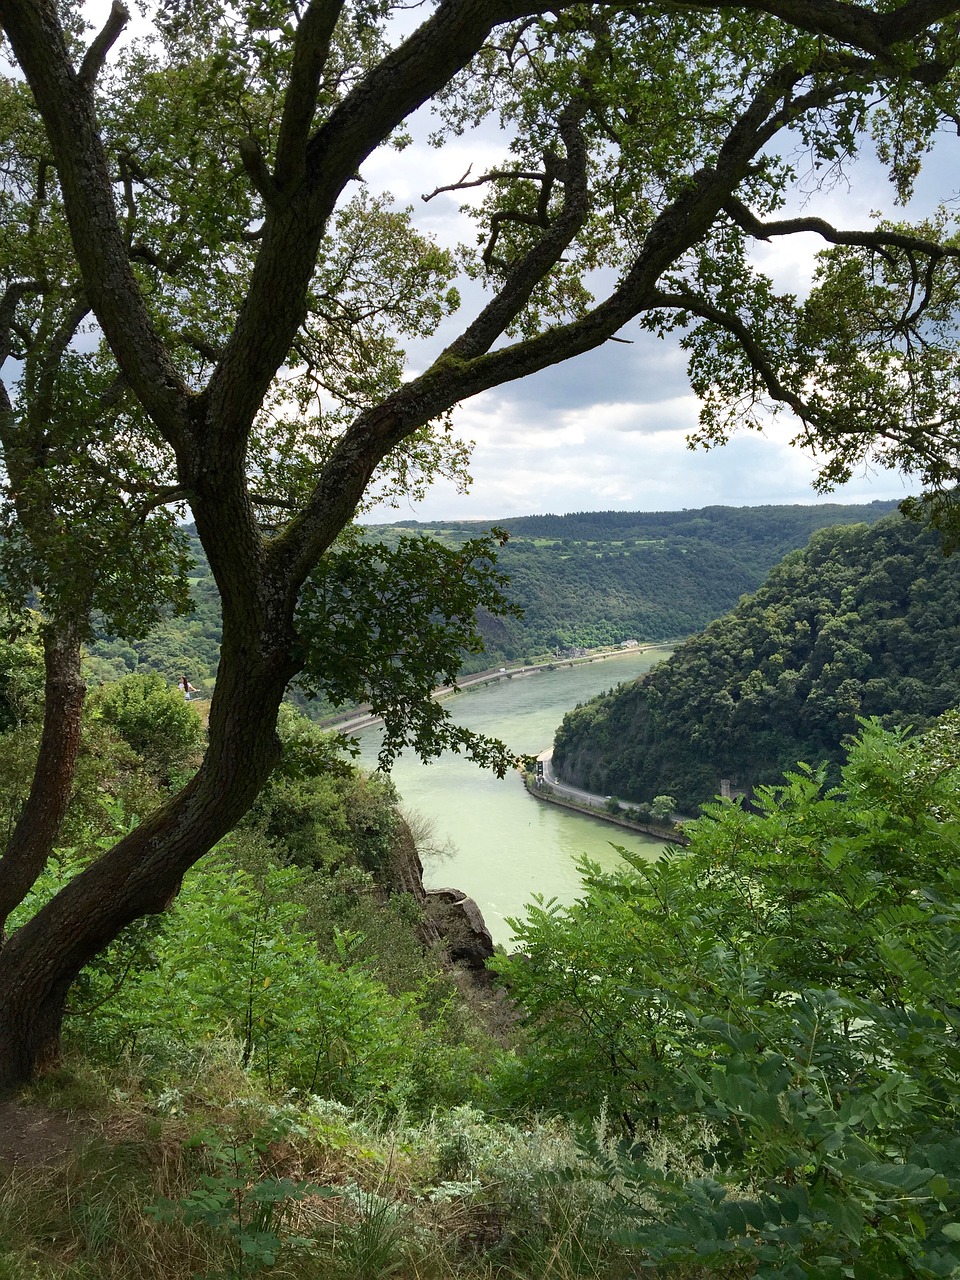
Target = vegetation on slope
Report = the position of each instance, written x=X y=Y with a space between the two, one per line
x=776 y=1009
x=583 y=580
x=740 y=1061
x=861 y=623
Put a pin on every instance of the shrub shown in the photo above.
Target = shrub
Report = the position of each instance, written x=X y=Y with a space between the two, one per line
x=792 y=979
x=152 y=719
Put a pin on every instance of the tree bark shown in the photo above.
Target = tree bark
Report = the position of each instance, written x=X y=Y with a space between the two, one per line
x=142 y=873
x=38 y=825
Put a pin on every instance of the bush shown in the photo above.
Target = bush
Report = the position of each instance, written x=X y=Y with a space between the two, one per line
x=153 y=719
x=232 y=958
x=792 y=979
x=318 y=810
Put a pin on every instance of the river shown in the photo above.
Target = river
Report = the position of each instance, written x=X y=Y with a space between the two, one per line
x=506 y=845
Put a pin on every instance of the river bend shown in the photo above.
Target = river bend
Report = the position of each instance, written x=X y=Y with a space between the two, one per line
x=508 y=846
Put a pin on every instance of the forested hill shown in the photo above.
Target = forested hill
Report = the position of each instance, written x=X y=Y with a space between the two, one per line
x=596 y=578
x=864 y=622
x=583 y=580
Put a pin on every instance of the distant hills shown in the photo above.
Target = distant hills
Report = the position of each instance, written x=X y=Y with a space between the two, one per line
x=864 y=622
x=602 y=577
x=583 y=580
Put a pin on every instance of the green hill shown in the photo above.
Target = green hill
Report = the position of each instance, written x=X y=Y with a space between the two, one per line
x=583 y=581
x=597 y=578
x=864 y=622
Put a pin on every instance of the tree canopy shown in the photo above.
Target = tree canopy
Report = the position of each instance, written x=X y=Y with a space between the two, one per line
x=197 y=197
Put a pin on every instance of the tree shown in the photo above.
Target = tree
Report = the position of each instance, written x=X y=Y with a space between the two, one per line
x=255 y=306
x=661 y=807
x=69 y=414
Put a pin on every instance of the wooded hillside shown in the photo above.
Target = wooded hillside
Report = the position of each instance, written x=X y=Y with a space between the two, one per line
x=862 y=623
x=587 y=579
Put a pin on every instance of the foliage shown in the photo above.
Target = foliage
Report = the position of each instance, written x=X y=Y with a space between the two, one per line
x=393 y=624
x=307 y=808
x=153 y=719
x=21 y=679
x=234 y=1198
x=91 y=1212
x=111 y=785
x=599 y=578
x=790 y=979
x=234 y=957
x=861 y=623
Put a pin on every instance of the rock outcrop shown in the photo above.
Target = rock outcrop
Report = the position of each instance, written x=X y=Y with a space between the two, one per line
x=461 y=926
x=450 y=917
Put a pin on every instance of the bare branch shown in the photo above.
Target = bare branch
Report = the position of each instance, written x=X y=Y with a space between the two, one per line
x=96 y=55
x=495 y=175
x=878 y=240
x=523 y=277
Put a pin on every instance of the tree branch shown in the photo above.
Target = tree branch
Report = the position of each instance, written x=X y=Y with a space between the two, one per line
x=40 y=408
x=202 y=347
x=69 y=113
x=524 y=277
x=310 y=52
x=850 y=24
x=495 y=175
x=257 y=171
x=916 y=16
x=744 y=219
x=8 y=310
x=469 y=366
x=687 y=300
x=276 y=301
x=96 y=55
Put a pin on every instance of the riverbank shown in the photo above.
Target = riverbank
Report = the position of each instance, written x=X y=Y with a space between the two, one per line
x=358 y=719
x=549 y=794
x=545 y=785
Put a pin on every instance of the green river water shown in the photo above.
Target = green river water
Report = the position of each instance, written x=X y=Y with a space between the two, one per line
x=507 y=845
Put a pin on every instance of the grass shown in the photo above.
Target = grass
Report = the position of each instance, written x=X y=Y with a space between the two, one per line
x=457 y=1197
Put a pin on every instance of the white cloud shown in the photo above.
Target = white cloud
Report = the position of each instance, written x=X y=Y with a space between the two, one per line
x=621 y=456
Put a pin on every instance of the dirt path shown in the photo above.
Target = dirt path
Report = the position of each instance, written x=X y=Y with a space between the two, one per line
x=31 y=1135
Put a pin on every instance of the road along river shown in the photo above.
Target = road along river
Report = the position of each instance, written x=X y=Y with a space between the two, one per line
x=508 y=846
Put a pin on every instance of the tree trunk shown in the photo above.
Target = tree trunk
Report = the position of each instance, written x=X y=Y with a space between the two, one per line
x=141 y=874
x=38 y=825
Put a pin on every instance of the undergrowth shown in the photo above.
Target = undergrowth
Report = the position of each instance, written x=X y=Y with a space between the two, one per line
x=208 y=1176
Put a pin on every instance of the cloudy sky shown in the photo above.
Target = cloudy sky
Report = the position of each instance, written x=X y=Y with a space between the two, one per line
x=609 y=430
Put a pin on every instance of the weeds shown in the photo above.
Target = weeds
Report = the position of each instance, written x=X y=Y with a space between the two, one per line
x=205 y=1177
x=235 y=1200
